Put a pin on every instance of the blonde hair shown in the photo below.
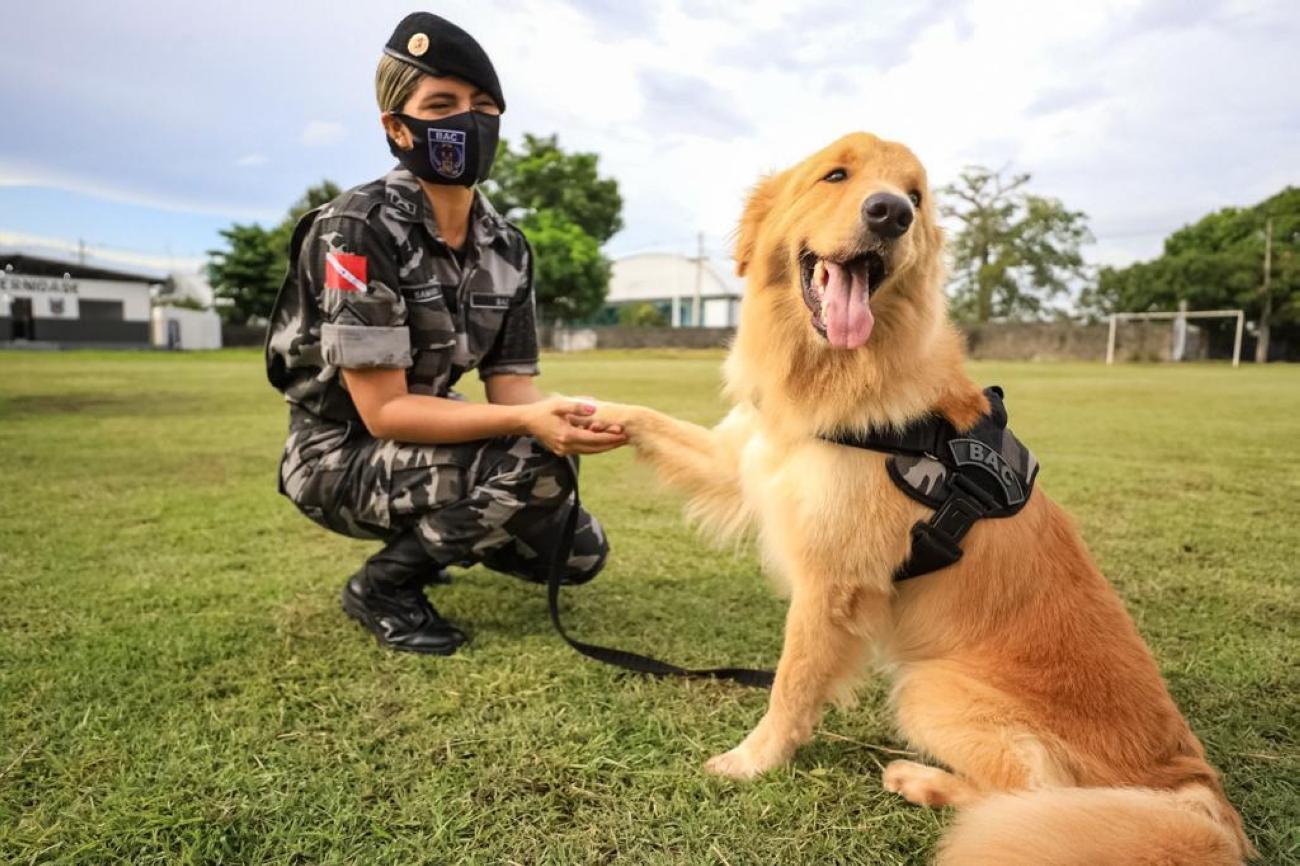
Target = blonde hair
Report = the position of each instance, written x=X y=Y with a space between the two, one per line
x=395 y=81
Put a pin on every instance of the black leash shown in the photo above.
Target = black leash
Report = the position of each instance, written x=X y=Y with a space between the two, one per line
x=622 y=658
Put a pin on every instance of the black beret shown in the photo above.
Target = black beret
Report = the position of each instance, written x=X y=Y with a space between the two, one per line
x=435 y=45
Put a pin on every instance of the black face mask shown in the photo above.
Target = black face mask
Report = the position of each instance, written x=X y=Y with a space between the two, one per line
x=457 y=150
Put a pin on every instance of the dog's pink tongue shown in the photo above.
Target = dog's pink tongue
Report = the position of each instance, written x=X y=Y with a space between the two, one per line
x=846 y=309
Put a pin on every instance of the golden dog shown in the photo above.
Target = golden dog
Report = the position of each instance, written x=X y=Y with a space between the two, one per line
x=1017 y=668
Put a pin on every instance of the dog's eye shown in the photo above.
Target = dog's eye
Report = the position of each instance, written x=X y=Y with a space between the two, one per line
x=835 y=176
x=915 y=197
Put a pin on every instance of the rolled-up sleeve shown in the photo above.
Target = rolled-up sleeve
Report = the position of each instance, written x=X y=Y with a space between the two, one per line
x=353 y=272
x=515 y=351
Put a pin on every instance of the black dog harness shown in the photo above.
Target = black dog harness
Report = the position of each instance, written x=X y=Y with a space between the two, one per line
x=964 y=476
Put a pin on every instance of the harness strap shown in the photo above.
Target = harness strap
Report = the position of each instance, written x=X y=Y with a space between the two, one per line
x=936 y=543
x=622 y=658
x=916 y=440
x=983 y=471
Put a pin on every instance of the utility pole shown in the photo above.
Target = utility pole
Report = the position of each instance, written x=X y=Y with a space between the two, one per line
x=1261 y=345
x=696 y=308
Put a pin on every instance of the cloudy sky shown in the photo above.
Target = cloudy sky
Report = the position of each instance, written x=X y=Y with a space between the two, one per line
x=147 y=126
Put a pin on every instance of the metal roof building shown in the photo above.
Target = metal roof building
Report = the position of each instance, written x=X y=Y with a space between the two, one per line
x=676 y=284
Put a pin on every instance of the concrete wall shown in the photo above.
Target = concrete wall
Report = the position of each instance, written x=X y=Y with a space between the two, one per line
x=1003 y=341
x=198 y=329
x=72 y=333
x=1070 y=341
x=243 y=335
x=619 y=337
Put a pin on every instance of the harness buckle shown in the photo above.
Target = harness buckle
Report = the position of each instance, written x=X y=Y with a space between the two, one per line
x=955 y=517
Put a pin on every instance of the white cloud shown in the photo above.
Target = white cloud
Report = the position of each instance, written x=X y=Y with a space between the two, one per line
x=102 y=255
x=1143 y=113
x=1110 y=105
x=110 y=187
x=319 y=133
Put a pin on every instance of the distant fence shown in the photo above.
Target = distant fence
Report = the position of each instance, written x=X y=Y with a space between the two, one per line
x=1072 y=341
x=624 y=337
x=1004 y=341
x=994 y=341
x=243 y=335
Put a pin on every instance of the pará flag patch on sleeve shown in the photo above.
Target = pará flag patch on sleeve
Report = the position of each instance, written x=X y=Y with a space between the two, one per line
x=345 y=272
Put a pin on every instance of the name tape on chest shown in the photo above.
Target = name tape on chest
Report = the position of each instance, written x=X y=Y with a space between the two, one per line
x=423 y=293
x=489 y=301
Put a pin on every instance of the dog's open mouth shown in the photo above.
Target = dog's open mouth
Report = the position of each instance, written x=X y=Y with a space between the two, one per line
x=838 y=293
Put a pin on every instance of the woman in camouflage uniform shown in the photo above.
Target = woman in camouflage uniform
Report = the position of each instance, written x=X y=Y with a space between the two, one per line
x=395 y=289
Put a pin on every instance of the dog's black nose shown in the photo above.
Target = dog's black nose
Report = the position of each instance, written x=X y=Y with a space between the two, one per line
x=887 y=215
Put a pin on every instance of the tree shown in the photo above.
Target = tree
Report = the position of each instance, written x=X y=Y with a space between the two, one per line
x=642 y=315
x=567 y=210
x=247 y=275
x=1217 y=263
x=541 y=176
x=321 y=194
x=570 y=275
x=1014 y=252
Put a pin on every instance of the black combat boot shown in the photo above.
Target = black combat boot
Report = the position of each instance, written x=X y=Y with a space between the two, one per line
x=387 y=597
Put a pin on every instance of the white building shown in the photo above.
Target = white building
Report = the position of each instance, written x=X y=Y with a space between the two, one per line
x=67 y=301
x=676 y=285
x=183 y=328
x=38 y=306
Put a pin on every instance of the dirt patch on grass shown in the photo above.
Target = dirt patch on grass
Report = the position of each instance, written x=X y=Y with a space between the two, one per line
x=99 y=404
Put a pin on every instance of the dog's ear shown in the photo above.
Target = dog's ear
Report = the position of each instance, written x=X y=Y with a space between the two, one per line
x=757 y=206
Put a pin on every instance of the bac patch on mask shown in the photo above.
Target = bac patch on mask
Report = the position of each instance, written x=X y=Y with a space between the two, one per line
x=345 y=272
x=488 y=301
x=447 y=152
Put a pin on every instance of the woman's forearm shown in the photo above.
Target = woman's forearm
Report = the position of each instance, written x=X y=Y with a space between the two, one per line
x=436 y=420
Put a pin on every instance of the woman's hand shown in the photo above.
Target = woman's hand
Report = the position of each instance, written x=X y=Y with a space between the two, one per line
x=564 y=425
x=614 y=416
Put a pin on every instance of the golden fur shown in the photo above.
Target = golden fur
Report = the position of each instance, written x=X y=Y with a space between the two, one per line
x=1018 y=668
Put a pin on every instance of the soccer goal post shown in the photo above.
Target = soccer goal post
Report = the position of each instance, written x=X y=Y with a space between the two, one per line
x=1179 y=319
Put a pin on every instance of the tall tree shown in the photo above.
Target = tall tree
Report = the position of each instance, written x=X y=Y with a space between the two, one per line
x=570 y=275
x=540 y=176
x=315 y=196
x=1014 y=252
x=1218 y=263
x=247 y=275
x=567 y=210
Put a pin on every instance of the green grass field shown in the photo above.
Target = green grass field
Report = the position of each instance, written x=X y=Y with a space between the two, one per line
x=178 y=685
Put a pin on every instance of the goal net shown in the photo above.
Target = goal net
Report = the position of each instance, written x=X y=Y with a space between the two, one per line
x=1165 y=336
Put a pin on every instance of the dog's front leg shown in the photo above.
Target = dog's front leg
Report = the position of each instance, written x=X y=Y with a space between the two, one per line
x=702 y=462
x=825 y=641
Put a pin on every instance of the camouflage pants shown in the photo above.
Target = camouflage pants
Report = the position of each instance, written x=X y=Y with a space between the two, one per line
x=501 y=502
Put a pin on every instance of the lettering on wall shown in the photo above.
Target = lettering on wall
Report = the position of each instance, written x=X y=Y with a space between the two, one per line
x=48 y=285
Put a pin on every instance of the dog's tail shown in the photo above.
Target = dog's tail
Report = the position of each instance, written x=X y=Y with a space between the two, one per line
x=1085 y=826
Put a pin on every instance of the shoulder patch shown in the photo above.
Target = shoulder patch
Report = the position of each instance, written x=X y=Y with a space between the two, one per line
x=346 y=272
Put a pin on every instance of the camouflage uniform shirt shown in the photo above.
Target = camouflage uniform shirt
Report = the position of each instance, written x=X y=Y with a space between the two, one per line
x=372 y=284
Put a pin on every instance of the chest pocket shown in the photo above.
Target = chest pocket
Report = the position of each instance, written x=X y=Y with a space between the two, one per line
x=433 y=338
